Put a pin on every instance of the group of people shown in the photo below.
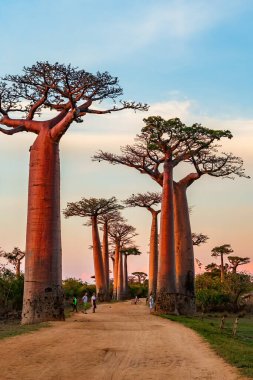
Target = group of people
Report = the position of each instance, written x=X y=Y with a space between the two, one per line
x=85 y=303
x=149 y=300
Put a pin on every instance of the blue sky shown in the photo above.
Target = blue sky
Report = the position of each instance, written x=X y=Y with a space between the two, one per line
x=191 y=59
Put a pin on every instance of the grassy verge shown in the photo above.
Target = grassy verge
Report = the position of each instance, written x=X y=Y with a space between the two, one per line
x=237 y=350
x=13 y=328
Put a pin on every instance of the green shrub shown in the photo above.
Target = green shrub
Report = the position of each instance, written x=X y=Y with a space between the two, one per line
x=139 y=290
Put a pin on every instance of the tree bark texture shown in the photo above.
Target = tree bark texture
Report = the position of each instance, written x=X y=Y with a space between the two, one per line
x=120 y=294
x=98 y=261
x=184 y=254
x=115 y=271
x=153 y=255
x=105 y=256
x=125 y=277
x=43 y=296
x=166 y=285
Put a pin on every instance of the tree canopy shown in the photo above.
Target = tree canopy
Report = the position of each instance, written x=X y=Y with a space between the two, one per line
x=68 y=90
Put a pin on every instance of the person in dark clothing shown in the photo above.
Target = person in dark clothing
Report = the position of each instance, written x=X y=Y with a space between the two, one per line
x=74 y=304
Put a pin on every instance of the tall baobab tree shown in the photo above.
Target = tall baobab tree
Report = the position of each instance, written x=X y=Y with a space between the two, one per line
x=165 y=143
x=235 y=261
x=120 y=235
x=70 y=93
x=15 y=257
x=220 y=251
x=148 y=201
x=105 y=220
x=127 y=251
x=205 y=162
x=93 y=208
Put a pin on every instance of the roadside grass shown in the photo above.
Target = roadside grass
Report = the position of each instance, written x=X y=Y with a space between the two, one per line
x=237 y=350
x=14 y=328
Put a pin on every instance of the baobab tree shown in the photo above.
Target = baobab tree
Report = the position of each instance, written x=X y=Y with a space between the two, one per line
x=70 y=93
x=220 y=251
x=15 y=257
x=127 y=251
x=167 y=143
x=120 y=235
x=235 y=261
x=105 y=220
x=198 y=239
x=93 y=208
x=206 y=162
x=141 y=276
x=148 y=201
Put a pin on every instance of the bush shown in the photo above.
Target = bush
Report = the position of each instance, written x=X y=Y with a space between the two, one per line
x=76 y=287
x=212 y=295
x=11 y=292
x=140 y=290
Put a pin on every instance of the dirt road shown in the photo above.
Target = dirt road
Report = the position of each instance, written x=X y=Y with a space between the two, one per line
x=119 y=342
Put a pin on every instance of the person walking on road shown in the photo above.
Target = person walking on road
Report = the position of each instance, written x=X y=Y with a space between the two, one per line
x=151 y=303
x=93 y=302
x=74 y=304
x=85 y=303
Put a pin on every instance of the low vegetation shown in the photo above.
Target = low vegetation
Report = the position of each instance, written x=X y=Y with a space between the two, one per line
x=13 y=328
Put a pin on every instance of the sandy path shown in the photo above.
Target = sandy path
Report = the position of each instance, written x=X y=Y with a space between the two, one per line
x=119 y=342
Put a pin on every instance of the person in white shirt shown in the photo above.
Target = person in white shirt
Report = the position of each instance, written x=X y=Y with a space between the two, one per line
x=85 y=303
x=151 y=302
x=93 y=302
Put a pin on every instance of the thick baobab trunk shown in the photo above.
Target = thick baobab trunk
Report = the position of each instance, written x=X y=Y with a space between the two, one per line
x=183 y=252
x=115 y=271
x=105 y=256
x=43 y=296
x=98 y=261
x=120 y=294
x=166 y=285
x=125 y=277
x=153 y=255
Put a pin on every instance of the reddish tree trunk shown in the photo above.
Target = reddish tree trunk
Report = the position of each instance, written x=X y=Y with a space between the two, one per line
x=166 y=285
x=125 y=278
x=115 y=271
x=43 y=296
x=98 y=260
x=120 y=294
x=105 y=255
x=153 y=255
x=183 y=250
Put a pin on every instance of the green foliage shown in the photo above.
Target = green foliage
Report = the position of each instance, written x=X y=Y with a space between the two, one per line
x=11 y=291
x=76 y=287
x=13 y=328
x=211 y=294
x=140 y=290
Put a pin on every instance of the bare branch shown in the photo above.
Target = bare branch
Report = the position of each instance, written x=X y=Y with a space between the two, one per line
x=13 y=131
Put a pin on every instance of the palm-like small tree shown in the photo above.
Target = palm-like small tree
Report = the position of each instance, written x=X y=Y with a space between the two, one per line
x=220 y=251
x=235 y=261
x=15 y=257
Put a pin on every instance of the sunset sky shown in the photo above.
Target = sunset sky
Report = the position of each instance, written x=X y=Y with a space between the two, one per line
x=186 y=59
